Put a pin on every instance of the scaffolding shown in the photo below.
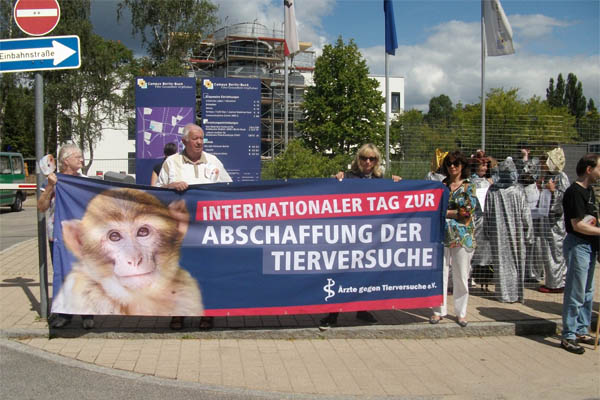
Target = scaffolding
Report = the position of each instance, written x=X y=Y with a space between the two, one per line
x=251 y=50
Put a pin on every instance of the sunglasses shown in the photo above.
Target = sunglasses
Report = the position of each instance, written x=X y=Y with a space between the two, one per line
x=454 y=163
x=363 y=158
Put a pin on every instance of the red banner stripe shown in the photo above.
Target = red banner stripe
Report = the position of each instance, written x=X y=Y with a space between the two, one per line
x=414 y=302
x=320 y=206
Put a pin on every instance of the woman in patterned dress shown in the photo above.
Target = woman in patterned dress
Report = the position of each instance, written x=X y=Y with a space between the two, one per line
x=459 y=241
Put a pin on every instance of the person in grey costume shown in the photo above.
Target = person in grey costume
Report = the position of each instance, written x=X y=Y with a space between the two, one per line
x=508 y=227
x=550 y=229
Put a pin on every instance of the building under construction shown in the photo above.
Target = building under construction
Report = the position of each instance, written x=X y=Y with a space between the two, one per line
x=251 y=50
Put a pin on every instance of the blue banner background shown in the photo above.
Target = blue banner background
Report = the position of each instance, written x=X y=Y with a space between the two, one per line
x=231 y=277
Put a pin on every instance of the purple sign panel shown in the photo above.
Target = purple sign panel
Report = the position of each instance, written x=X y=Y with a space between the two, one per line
x=164 y=105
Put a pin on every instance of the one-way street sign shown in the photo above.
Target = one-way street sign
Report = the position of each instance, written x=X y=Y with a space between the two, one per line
x=37 y=54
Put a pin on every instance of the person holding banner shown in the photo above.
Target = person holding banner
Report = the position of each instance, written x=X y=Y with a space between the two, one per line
x=70 y=161
x=459 y=240
x=366 y=165
x=169 y=150
x=191 y=166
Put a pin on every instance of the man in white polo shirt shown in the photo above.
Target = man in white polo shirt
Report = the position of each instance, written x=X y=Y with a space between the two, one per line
x=191 y=166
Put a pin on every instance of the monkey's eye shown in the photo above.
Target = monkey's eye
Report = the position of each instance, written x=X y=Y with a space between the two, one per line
x=114 y=236
x=143 y=231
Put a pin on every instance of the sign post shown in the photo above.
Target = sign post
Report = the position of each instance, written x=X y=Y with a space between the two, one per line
x=37 y=17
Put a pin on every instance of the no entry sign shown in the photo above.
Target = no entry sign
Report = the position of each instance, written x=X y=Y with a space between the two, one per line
x=37 y=17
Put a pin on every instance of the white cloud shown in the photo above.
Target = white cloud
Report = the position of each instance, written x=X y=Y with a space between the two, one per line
x=309 y=14
x=535 y=26
x=449 y=62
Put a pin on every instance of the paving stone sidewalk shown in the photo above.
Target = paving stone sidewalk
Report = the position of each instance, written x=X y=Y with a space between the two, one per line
x=289 y=355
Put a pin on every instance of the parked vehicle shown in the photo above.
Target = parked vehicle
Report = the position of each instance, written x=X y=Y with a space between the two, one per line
x=12 y=170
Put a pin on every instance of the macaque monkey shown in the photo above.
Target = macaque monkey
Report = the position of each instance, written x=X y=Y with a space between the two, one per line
x=127 y=245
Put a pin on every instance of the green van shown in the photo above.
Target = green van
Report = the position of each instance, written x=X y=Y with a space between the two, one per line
x=12 y=170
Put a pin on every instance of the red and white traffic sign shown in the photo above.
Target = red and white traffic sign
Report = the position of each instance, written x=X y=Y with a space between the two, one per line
x=37 y=17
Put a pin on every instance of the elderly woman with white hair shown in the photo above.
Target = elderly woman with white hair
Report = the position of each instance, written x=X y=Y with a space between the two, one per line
x=70 y=162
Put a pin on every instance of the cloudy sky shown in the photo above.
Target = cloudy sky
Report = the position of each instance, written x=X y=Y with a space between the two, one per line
x=439 y=41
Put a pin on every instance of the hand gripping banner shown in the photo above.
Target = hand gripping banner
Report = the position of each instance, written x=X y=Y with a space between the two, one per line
x=265 y=248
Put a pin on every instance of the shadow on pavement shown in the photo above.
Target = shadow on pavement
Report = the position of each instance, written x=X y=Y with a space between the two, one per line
x=25 y=284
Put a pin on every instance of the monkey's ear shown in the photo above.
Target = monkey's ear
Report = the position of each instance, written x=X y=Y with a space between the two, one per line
x=179 y=212
x=72 y=236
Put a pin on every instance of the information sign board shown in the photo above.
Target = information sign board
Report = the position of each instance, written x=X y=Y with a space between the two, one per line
x=231 y=123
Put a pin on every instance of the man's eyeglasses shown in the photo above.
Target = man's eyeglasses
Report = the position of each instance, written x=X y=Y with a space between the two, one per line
x=454 y=163
x=363 y=158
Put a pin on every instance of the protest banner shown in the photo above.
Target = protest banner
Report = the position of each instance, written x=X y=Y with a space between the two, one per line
x=250 y=248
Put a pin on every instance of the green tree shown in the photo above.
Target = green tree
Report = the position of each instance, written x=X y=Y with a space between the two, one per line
x=74 y=20
x=169 y=29
x=18 y=126
x=10 y=83
x=551 y=94
x=440 y=110
x=589 y=125
x=401 y=130
x=559 y=95
x=95 y=96
x=344 y=107
x=511 y=120
x=299 y=162
x=591 y=107
x=574 y=98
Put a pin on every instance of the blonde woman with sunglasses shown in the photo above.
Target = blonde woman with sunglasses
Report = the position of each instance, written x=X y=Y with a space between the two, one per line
x=366 y=165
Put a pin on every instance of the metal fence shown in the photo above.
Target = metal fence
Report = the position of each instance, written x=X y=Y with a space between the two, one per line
x=519 y=257
x=524 y=248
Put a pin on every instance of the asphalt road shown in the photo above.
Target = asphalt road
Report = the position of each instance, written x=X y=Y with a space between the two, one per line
x=27 y=373
x=16 y=227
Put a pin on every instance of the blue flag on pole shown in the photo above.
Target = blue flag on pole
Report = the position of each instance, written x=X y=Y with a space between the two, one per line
x=391 y=41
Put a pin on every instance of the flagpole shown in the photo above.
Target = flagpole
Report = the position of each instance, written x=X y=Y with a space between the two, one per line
x=482 y=80
x=388 y=167
x=391 y=44
x=285 y=104
x=496 y=40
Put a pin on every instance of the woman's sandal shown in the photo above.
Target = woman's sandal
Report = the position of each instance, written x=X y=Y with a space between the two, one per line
x=435 y=319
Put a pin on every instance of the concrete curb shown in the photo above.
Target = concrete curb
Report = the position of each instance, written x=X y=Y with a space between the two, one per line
x=409 y=331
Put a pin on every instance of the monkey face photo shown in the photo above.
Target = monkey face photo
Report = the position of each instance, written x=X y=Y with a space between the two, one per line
x=127 y=245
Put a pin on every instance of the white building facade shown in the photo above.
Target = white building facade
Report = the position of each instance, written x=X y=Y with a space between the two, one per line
x=396 y=92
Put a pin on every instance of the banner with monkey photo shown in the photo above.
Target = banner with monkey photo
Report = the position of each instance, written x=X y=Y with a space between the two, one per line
x=259 y=248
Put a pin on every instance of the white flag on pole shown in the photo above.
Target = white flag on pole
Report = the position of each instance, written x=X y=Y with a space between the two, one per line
x=291 y=36
x=498 y=33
